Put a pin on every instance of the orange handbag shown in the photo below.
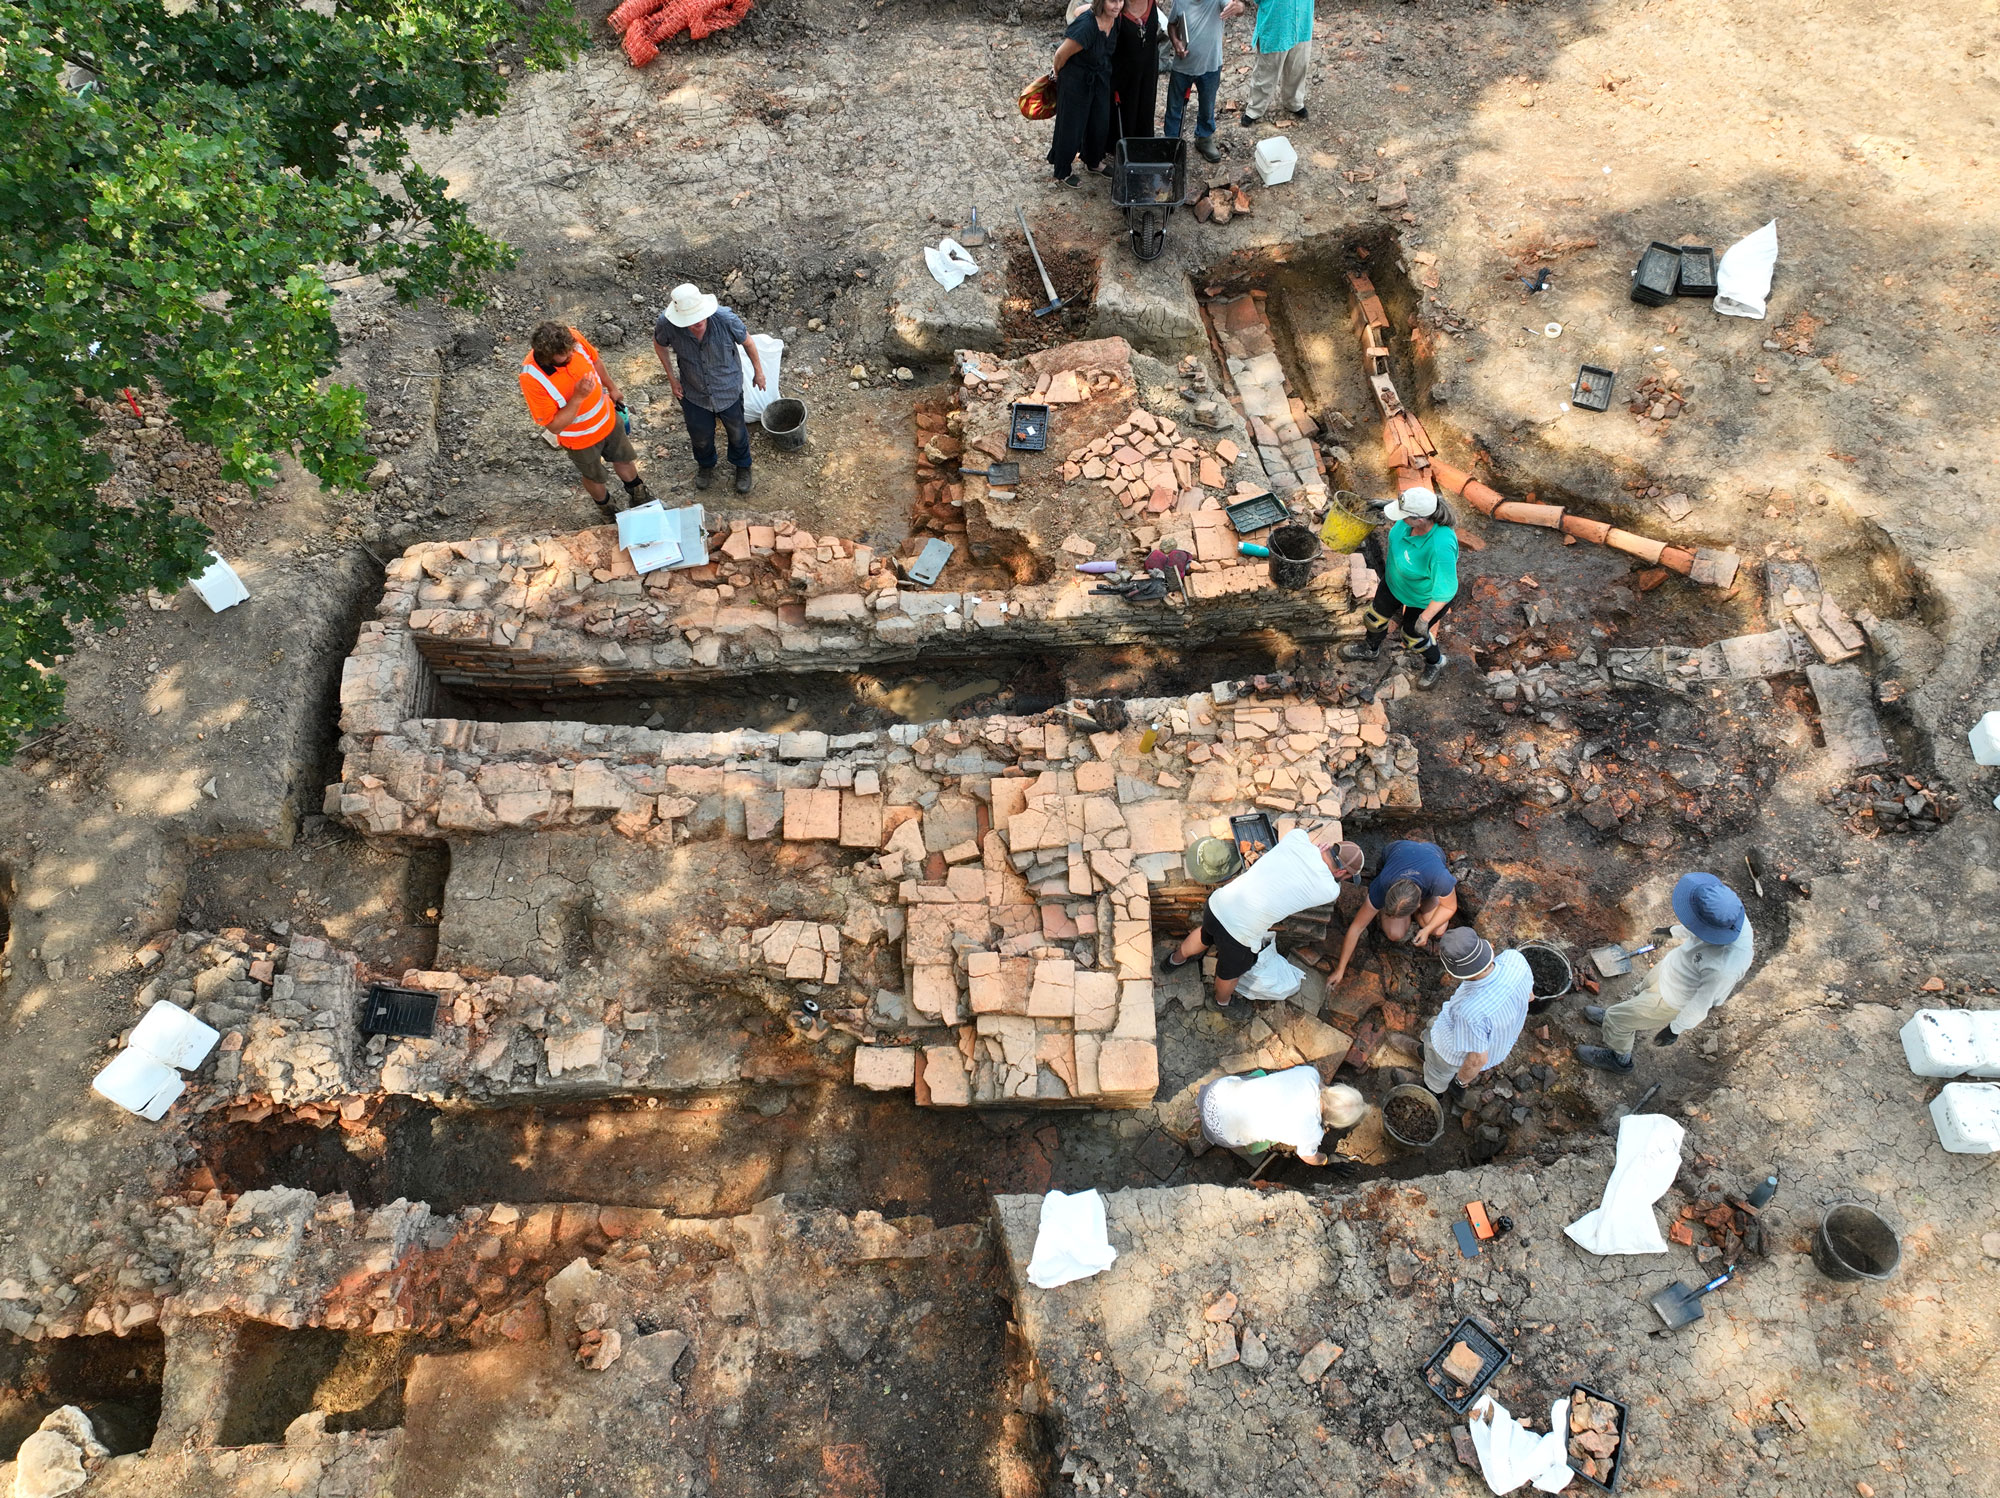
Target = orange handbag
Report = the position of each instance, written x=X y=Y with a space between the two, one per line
x=1038 y=98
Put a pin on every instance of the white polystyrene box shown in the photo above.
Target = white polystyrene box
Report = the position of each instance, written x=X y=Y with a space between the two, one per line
x=139 y=1083
x=170 y=1034
x=1986 y=1040
x=1941 y=1043
x=1967 y=1115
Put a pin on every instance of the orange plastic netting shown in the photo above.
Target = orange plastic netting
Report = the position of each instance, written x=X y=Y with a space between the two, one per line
x=648 y=23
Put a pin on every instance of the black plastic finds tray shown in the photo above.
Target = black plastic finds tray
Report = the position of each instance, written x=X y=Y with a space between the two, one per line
x=1610 y=1485
x=1255 y=513
x=1658 y=274
x=1592 y=391
x=1493 y=1357
x=1697 y=273
x=1030 y=432
x=1254 y=828
x=389 y=1010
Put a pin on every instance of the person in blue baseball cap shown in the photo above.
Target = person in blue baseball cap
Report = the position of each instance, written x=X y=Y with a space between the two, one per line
x=1714 y=953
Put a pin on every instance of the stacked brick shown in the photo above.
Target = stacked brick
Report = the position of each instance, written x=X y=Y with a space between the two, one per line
x=566 y=611
x=1280 y=426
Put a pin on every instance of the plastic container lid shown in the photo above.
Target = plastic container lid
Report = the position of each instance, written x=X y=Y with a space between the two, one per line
x=170 y=1034
x=139 y=1083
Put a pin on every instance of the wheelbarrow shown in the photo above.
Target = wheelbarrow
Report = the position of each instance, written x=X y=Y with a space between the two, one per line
x=1148 y=181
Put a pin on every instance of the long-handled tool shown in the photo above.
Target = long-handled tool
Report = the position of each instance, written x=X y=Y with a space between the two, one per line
x=1680 y=1304
x=1049 y=286
x=1613 y=960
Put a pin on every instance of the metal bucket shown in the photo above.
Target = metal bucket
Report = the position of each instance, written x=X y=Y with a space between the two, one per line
x=1294 y=549
x=1854 y=1244
x=1346 y=526
x=1553 y=974
x=784 y=422
x=1434 y=1110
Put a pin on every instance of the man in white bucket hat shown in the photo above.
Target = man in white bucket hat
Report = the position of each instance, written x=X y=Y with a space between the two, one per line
x=707 y=377
x=1418 y=565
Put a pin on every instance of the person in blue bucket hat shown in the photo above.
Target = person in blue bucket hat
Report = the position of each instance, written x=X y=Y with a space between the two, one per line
x=1691 y=979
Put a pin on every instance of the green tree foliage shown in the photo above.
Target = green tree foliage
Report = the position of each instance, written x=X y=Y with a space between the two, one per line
x=172 y=187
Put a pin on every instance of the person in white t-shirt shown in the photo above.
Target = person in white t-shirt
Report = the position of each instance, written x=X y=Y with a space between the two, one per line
x=1286 y=1108
x=1298 y=874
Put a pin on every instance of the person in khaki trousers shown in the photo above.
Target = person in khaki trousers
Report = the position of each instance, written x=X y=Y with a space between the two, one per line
x=1714 y=953
x=1283 y=38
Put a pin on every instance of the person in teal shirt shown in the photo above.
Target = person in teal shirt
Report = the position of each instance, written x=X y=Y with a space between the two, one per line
x=1418 y=565
x=1283 y=38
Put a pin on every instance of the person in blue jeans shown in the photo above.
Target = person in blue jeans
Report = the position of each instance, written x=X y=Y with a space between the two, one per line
x=707 y=377
x=1195 y=33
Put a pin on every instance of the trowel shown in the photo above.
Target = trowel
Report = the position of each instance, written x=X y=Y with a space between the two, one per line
x=973 y=235
x=1680 y=1304
x=1614 y=960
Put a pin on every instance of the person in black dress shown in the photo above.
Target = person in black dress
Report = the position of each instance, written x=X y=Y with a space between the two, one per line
x=1084 y=116
x=1135 y=69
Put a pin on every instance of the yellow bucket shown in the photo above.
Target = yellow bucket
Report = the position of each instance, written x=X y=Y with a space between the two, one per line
x=1344 y=528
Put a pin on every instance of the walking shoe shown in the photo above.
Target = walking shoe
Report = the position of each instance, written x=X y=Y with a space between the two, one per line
x=1173 y=962
x=1603 y=1058
x=1360 y=650
x=1210 y=151
x=1594 y=1013
x=1300 y=113
x=1431 y=674
x=1249 y=119
x=703 y=477
x=742 y=481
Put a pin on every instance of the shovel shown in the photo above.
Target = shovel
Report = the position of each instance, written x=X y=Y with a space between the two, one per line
x=1613 y=960
x=1680 y=1304
x=1047 y=285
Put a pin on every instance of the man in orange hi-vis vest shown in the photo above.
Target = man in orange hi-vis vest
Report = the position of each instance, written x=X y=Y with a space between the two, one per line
x=572 y=394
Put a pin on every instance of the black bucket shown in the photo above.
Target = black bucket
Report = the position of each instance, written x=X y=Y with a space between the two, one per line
x=784 y=422
x=1294 y=549
x=1854 y=1244
x=1552 y=972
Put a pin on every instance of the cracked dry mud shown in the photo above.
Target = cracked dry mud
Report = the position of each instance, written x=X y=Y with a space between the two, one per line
x=345 y=1269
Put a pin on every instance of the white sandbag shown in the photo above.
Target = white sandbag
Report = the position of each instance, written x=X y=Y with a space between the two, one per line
x=1649 y=1157
x=1743 y=275
x=1511 y=1454
x=772 y=352
x=1071 y=1243
x=949 y=264
x=1270 y=979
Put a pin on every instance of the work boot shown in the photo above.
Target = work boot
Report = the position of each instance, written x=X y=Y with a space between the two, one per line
x=1432 y=672
x=636 y=493
x=1361 y=650
x=1594 y=1013
x=703 y=477
x=1603 y=1058
x=742 y=481
x=1210 y=151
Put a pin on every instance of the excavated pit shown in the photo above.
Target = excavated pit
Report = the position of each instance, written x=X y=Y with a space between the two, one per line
x=116 y=1381
x=355 y=1379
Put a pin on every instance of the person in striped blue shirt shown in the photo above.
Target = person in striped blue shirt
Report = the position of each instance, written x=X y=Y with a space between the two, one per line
x=1481 y=1021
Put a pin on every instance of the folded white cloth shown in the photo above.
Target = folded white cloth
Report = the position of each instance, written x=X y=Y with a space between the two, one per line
x=1649 y=1157
x=1071 y=1243
x=1511 y=1454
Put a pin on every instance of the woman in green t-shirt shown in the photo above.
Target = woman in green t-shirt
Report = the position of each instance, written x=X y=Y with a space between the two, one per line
x=1418 y=565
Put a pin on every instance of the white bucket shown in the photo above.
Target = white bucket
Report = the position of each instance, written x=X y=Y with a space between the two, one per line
x=1985 y=738
x=170 y=1034
x=139 y=1083
x=1967 y=1115
x=1276 y=160
x=219 y=587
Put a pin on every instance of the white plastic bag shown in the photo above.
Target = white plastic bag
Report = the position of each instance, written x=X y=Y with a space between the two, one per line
x=1743 y=275
x=1511 y=1454
x=771 y=351
x=949 y=264
x=1270 y=979
x=219 y=587
x=1071 y=1243
x=1649 y=1157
